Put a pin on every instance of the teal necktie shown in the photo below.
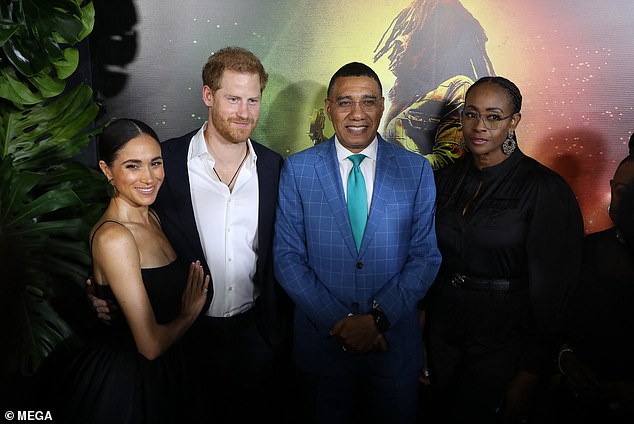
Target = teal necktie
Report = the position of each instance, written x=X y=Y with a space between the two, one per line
x=357 y=199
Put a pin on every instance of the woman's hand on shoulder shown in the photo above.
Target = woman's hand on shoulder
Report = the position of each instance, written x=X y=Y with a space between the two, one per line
x=195 y=293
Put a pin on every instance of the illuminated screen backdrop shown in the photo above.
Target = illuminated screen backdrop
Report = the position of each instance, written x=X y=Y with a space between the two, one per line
x=571 y=59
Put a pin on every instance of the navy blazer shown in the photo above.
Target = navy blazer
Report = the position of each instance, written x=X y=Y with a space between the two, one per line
x=174 y=207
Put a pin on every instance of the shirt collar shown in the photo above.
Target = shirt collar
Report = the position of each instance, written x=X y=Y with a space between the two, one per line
x=501 y=168
x=199 y=148
x=369 y=152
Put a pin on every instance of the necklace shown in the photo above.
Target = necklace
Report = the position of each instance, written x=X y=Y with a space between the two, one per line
x=237 y=170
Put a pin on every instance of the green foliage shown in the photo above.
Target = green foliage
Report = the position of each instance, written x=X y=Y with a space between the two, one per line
x=48 y=201
x=47 y=205
x=36 y=37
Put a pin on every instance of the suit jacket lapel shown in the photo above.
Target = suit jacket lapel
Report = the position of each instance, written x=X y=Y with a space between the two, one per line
x=384 y=183
x=177 y=182
x=267 y=185
x=327 y=169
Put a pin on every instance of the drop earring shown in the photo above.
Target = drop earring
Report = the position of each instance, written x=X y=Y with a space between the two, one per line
x=509 y=145
x=111 y=189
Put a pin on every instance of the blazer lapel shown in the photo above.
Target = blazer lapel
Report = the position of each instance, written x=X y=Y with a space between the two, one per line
x=267 y=188
x=383 y=193
x=177 y=183
x=327 y=169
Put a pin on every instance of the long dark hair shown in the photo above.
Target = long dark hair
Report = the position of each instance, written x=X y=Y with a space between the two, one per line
x=429 y=42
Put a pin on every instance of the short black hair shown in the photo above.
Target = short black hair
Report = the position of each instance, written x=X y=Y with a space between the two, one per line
x=354 y=69
x=630 y=145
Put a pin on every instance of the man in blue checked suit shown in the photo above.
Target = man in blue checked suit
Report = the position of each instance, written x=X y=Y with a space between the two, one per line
x=356 y=268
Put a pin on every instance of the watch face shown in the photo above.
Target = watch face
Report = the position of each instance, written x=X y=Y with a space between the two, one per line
x=380 y=320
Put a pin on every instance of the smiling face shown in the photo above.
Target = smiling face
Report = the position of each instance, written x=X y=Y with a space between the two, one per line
x=355 y=107
x=234 y=109
x=136 y=171
x=488 y=101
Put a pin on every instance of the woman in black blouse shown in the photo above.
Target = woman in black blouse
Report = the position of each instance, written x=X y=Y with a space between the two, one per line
x=510 y=232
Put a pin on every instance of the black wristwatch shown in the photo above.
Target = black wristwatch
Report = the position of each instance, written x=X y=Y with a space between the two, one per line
x=380 y=320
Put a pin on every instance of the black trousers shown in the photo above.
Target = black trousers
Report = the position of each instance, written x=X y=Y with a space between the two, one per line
x=475 y=341
x=238 y=376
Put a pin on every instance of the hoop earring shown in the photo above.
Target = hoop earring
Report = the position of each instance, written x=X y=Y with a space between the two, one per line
x=111 y=189
x=509 y=145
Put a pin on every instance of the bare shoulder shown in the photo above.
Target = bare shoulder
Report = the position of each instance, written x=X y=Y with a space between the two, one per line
x=111 y=236
x=116 y=260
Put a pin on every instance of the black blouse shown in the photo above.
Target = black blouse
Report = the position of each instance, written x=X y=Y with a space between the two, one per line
x=517 y=219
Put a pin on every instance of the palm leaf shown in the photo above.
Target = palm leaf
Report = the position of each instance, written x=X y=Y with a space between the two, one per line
x=15 y=90
x=36 y=39
x=41 y=330
x=47 y=206
x=43 y=135
x=48 y=201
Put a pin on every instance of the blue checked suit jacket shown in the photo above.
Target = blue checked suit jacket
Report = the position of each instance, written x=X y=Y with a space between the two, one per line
x=317 y=263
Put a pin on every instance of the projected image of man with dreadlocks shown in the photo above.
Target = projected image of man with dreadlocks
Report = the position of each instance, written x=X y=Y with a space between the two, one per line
x=436 y=50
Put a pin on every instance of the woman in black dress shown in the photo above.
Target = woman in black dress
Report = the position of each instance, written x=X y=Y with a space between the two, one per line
x=131 y=372
x=510 y=233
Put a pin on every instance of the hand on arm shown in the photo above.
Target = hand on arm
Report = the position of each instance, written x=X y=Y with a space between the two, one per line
x=195 y=293
x=103 y=307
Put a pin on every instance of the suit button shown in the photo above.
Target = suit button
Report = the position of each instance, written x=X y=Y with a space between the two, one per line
x=359 y=265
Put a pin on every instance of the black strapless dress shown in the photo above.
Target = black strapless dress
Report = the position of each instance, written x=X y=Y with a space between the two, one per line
x=110 y=382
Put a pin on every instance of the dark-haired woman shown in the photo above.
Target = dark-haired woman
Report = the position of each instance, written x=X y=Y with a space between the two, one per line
x=132 y=373
x=510 y=233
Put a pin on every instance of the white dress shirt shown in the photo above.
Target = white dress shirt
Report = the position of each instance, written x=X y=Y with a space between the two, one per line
x=367 y=166
x=227 y=223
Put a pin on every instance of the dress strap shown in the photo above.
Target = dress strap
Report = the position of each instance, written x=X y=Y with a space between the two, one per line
x=97 y=229
x=154 y=215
